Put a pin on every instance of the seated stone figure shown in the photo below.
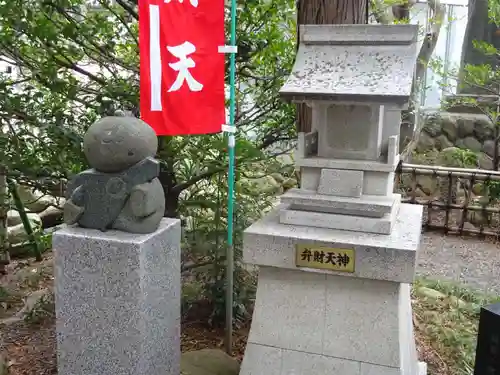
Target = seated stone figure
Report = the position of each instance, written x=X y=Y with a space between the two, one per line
x=122 y=190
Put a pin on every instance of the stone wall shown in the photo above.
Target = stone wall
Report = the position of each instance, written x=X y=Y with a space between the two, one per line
x=470 y=131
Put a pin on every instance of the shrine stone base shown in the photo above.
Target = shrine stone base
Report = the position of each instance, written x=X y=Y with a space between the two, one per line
x=311 y=321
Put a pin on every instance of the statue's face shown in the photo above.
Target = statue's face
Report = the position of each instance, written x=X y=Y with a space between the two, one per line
x=114 y=144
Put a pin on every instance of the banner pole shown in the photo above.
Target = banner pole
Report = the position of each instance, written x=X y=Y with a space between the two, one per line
x=230 y=196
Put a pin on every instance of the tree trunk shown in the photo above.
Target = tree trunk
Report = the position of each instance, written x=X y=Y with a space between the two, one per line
x=167 y=179
x=320 y=12
x=478 y=29
x=410 y=124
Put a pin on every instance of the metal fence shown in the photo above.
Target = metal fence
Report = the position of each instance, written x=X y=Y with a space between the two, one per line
x=455 y=200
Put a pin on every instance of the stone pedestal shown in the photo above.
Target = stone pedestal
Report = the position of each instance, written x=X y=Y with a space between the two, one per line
x=337 y=257
x=118 y=301
x=351 y=321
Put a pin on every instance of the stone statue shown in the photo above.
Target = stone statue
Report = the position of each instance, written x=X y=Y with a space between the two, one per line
x=122 y=190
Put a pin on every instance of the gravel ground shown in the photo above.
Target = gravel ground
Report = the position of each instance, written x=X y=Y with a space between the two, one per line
x=467 y=260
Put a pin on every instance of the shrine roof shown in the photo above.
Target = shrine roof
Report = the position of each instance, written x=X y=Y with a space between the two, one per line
x=354 y=63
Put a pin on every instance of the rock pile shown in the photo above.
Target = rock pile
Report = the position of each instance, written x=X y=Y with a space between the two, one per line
x=467 y=131
x=42 y=211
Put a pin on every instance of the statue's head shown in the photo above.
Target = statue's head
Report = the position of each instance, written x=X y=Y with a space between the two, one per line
x=114 y=144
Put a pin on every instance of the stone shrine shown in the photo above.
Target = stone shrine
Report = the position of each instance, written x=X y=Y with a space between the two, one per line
x=338 y=255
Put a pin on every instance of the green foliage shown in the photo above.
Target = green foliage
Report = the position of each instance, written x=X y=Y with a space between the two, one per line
x=494 y=11
x=493 y=188
x=481 y=75
x=206 y=222
x=446 y=314
x=483 y=78
x=45 y=241
x=75 y=64
x=44 y=308
x=3 y=294
x=464 y=158
x=381 y=10
x=485 y=48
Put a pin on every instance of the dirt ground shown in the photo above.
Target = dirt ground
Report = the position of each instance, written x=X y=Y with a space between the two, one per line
x=28 y=341
x=29 y=347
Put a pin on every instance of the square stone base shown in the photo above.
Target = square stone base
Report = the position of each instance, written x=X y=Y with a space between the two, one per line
x=266 y=360
x=307 y=323
x=389 y=257
x=382 y=225
x=118 y=301
x=323 y=322
x=366 y=213
x=366 y=205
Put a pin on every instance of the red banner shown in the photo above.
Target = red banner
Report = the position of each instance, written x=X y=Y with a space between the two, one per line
x=182 y=71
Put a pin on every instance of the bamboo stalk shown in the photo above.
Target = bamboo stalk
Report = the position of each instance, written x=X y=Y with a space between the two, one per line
x=423 y=202
x=4 y=208
x=37 y=250
x=444 y=171
x=456 y=230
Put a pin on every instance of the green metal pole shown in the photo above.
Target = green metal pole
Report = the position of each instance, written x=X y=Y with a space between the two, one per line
x=230 y=195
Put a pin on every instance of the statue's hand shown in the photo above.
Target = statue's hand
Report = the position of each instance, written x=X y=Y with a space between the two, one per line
x=141 y=200
x=72 y=212
x=147 y=199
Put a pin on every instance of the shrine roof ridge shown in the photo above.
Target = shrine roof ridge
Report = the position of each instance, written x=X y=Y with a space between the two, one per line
x=358 y=34
x=354 y=63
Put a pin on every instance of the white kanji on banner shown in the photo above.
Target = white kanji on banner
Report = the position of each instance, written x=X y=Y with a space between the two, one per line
x=182 y=51
x=193 y=2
